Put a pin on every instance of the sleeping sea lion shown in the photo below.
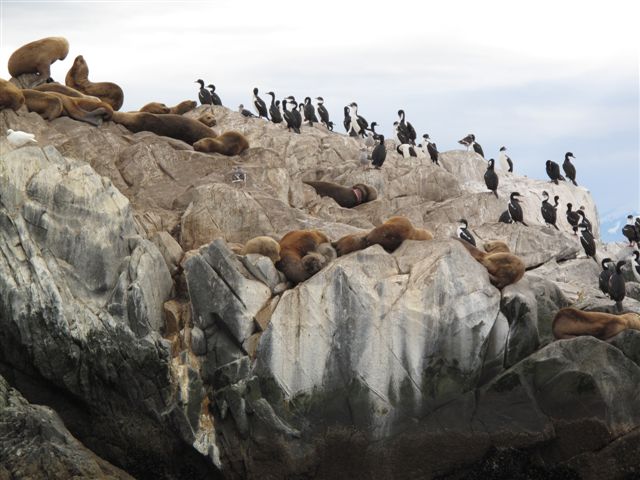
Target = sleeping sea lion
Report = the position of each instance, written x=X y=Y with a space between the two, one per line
x=175 y=126
x=571 y=322
x=293 y=247
x=344 y=196
x=504 y=267
x=229 y=143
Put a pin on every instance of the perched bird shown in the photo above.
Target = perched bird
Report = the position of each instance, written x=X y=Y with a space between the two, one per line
x=467 y=141
x=400 y=136
x=379 y=153
x=214 y=96
x=568 y=167
x=635 y=265
x=549 y=212
x=605 y=275
x=259 y=105
x=491 y=178
x=477 y=148
x=553 y=170
x=505 y=217
x=347 y=120
x=515 y=210
x=406 y=150
x=631 y=232
x=323 y=112
x=617 y=290
x=431 y=147
x=358 y=123
x=310 y=112
x=289 y=118
x=464 y=234
x=506 y=165
x=583 y=218
x=19 y=138
x=587 y=241
x=276 y=116
x=245 y=112
x=408 y=132
x=295 y=113
x=572 y=217
x=204 y=95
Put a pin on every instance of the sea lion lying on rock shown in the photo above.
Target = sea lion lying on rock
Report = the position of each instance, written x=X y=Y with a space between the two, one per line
x=175 y=126
x=47 y=106
x=229 y=143
x=155 y=107
x=10 y=96
x=394 y=231
x=78 y=78
x=84 y=109
x=344 y=196
x=504 y=267
x=37 y=57
x=571 y=322
x=208 y=119
x=63 y=89
x=294 y=246
x=161 y=109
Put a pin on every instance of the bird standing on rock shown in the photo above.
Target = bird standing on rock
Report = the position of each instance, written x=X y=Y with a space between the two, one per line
x=276 y=116
x=464 y=233
x=549 y=212
x=553 y=170
x=491 y=178
x=204 y=95
x=631 y=232
x=431 y=148
x=259 y=104
x=605 y=275
x=587 y=241
x=214 y=96
x=245 y=112
x=569 y=168
x=19 y=138
x=617 y=287
x=323 y=112
x=515 y=210
x=505 y=162
x=573 y=217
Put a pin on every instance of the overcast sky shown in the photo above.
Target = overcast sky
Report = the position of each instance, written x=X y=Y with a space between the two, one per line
x=542 y=78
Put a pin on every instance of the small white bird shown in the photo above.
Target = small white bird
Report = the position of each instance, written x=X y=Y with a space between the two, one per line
x=18 y=138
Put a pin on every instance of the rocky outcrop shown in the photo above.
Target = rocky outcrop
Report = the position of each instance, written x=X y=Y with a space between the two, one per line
x=124 y=309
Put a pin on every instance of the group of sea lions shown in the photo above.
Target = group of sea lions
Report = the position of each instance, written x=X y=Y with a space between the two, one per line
x=97 y=102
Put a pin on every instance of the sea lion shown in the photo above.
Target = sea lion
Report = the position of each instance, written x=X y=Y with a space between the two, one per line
x=393 y=232
x=47 y=106
x=175 y=126
x=328 y=251
x=183 y=107
x=496 y=246
x=263 y=245
x=84 y=109
x=155 y=107
x=78 y=78
x=313 y=262
x=504 y=268
x=293 y=247
x=229 y=143
x=10 y=96
x=63 y=89
x=571 y=322
x=344 y=196
x=208 y=119
x=37 y=57
x=350 y=243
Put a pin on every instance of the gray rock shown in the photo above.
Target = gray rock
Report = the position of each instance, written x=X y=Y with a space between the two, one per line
x=170 y=250
x=198 y=341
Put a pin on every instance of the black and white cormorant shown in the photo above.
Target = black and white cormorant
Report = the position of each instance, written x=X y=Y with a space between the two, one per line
x=631 y=232
x=358 y=123
x=515 y=210
x=289 y=118
x=491 y=177
x=214 y=96
x=553 y=170
x=295 y=113
x=347 y=120
x=605 y=275
x=406 y=150
x=408 y=132
x=572 y=217
x=379 y=153
x=276 y=116
x=635 y=265
x=245 y=112
x=431 y=147
x=259 y=104
x=464 y=233
x=584 y=219
x=549 y=212
x=569 y=168
x=617 y=289
x=467 y=141
x=323 y=112
x=310 y=112
x=505 y=217
x=587 y=241
x=204 y=95
x=506 y=165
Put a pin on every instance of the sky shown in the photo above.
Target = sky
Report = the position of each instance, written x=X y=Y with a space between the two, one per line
x=540 y=78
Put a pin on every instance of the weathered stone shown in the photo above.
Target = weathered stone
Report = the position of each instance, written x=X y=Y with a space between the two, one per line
x=263 y=317
x=173 y=321
x=198 y=342
x=263 y=269
x=170 y=250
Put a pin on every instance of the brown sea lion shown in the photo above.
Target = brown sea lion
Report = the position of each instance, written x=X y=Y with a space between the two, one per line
x=183 y=107
x=263 y=245
x=313 y=262
x=63 y=89
x=78 y=78
x=174 y=126
x=37 y=57
x=208 y=119
x=293 y=247
x=344 y=196
x=393 y=232
x=328 y=251
x=571 y=322
x=229 y=143
x=155 y=107
x=10 y=96
x=504 y=268
x=496 y=246
x=350 y=243
x=46 y=105
x=84 y=109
